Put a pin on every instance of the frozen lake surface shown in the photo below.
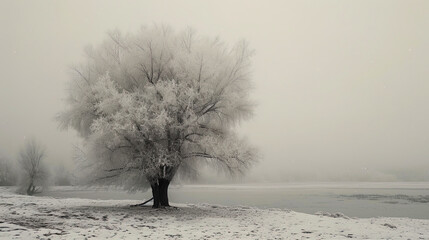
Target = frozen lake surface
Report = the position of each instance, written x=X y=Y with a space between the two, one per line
x=361 y=200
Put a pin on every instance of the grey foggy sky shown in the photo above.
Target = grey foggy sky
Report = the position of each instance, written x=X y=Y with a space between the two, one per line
x=342 y=86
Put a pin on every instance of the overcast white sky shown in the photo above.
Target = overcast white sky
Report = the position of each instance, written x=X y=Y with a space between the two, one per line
x=342 y=86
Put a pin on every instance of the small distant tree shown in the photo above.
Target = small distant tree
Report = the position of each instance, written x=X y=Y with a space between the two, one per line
x=34 y=169
x=159 y=103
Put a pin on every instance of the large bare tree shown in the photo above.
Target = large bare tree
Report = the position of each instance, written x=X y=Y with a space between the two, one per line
x=159 y=102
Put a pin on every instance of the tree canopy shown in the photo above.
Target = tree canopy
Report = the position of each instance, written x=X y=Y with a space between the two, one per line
x=159 y=102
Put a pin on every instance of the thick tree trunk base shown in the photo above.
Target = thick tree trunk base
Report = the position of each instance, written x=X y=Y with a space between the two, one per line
x=160 y=193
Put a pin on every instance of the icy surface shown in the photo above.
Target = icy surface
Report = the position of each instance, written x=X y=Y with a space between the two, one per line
x=24 y=217
x=362 y=200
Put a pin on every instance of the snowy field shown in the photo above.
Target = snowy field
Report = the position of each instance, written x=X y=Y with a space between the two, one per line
x=25 y=217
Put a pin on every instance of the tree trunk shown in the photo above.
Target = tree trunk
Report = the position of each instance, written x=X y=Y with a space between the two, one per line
x=155 y=194
x=160 y=193
x=163 y=192
x=29 y=189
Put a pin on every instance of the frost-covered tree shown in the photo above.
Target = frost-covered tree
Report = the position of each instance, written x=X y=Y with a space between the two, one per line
x=160 y=103
x=34 y=170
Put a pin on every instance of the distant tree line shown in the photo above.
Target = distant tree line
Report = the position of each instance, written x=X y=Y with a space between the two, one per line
x=8 y=175
x=30 y=171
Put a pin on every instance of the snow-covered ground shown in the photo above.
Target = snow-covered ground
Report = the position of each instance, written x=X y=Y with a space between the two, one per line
x=25 y=217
